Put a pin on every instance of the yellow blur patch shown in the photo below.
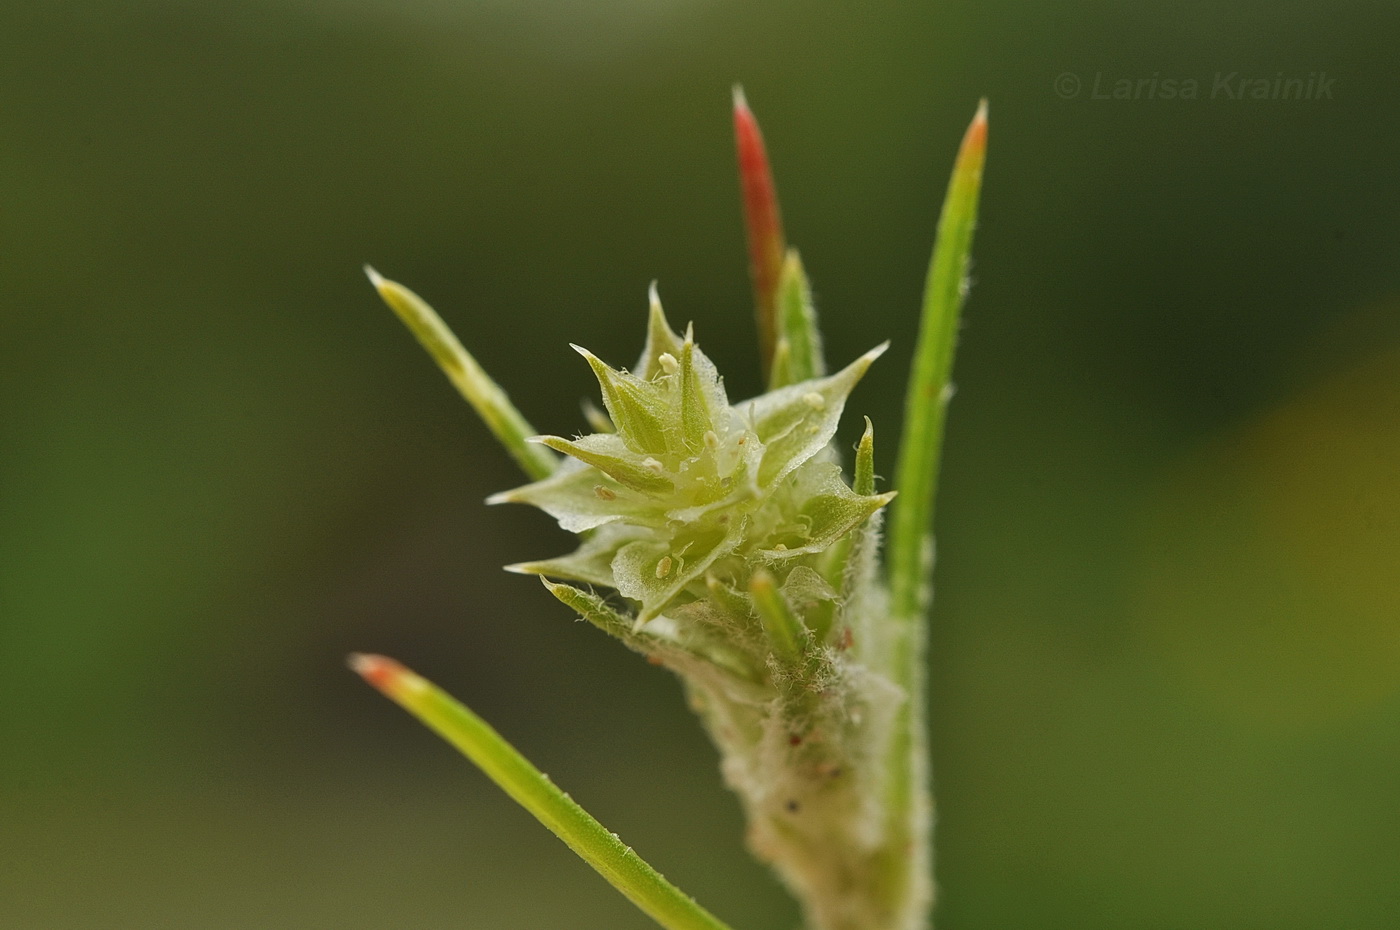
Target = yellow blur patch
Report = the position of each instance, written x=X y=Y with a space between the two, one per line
x=1271 y=582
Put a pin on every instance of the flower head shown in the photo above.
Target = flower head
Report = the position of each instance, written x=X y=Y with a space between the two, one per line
x=690 y=486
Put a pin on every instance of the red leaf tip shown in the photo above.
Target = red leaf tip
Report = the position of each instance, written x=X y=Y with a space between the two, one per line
x=762 y=221
x=379 y=671
x=740 y=101
x=977 y=131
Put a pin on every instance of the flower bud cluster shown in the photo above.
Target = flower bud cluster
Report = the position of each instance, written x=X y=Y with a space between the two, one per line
x=689 y=493
x=741 y=559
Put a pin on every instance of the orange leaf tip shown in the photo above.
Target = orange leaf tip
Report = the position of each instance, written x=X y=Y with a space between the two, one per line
x=976 y=137
x=384 y=673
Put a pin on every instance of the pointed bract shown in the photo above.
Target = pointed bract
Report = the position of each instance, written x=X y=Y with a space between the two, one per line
x=582 y=499
x=826 y=512
x=591 y=562
x=637 y=408
x=796 y=422
x=607 y=453
x=697 y=403
x=661 y=339
x=654 y=571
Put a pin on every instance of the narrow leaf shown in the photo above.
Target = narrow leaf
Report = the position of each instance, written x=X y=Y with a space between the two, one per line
x=785 y=631
x=911 y=537
x=925 y=406
x=595 y=610
x=762 y=223
x=864 y=482
x=532 y=789
x=799 y=353
x=470 y=379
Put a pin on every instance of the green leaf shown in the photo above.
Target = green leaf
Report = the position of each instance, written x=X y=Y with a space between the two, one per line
x=788 y=637
x=916 y=477
x=686 y=642
x=925 y=405
x=799 y=353
x=596 y=611
x=532 y=790
x=864 y=482
x=470 y=379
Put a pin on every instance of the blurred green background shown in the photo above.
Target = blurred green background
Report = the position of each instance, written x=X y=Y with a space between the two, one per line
x=1166 y=658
